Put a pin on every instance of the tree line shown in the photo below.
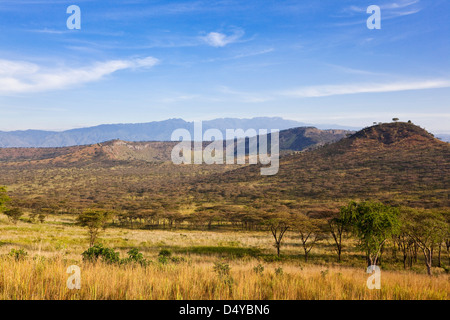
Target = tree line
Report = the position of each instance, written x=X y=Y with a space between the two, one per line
x=371 y=224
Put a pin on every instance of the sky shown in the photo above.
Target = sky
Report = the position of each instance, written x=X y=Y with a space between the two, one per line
x=140 y=61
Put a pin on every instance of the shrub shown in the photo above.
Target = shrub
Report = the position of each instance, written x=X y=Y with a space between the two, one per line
x=259 y=269
x=222 y=269
x=164 y=256
x=324 y=273
x=177 y=259
x=18 y=254
x=165 y=253
x=134 y=256
x=42 y=217
x=14 y=214
x=107 y=255
x=279 y=271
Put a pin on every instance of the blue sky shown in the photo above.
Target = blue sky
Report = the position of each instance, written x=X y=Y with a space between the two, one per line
x=139 y=61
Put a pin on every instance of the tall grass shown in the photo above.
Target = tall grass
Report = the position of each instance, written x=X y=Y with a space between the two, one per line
x=43 y=278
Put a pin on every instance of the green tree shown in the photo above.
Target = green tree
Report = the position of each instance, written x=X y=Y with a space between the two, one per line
x=373 y=224
x=4 y=199
x=310 y=231
x=94 y=220
x=339 y=225
x=404 y=241
x=278 y=225
x=428 y=229
x=13 y=214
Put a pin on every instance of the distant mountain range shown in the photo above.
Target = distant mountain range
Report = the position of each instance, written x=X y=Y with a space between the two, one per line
x=150 y=131
x=291 y=140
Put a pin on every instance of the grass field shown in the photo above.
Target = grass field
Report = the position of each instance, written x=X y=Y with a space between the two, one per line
x=57 y=243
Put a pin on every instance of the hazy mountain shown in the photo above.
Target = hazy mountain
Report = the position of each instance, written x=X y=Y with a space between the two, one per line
x=151 y=131
x=296 y=139
x=443 y=137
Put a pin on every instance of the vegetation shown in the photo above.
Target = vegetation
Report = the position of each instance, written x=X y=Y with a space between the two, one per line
x=378 y=197
x=374 y=223
x=94 y=220
x=4 y=199
x=13 y=214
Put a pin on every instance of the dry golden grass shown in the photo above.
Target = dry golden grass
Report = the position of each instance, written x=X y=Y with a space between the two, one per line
x=46 y=279
x=56 y=244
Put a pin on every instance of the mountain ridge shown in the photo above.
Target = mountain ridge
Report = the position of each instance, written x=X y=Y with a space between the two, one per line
x=296 y=139
x=149 y=131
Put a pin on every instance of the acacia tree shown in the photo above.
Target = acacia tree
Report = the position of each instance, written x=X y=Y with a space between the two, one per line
x=339 y=225
x=278 y=226
x=310 y=231
x=94 y=220
x=13 y=214
x=373 y=224
x=428 y=229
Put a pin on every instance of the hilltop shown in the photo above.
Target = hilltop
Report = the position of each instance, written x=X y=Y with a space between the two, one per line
x=390 y=161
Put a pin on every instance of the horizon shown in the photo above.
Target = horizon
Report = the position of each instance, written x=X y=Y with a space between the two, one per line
x=310 y=62
x=305 y=124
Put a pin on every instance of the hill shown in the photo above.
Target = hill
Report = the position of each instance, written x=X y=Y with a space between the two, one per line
x=395 y=162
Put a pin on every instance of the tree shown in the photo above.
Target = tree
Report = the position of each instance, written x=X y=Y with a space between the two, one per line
x=373 y=224
x=13 y=214
x=310 y=231
x=339 y=225
x=94 y=220
x=428 y=229
x=395 y=119
x=278 y=226
x=4 y=199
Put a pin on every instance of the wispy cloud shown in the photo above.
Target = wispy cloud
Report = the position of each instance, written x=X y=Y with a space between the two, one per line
x=389 y=10
x=246 y=97
x=333 y=90
x=356 y=71
x=217 y=39
x=243 y=55
x=22 y=77
x=386 y=6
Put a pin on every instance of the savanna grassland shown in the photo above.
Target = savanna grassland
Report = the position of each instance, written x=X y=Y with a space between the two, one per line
x=254 y=270
x=210 y=232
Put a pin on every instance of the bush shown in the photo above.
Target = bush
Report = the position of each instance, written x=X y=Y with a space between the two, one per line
x=107 y=255
x=279 y=271
x=165 y=253
x=259 y=269
x=164 y=256
x=134 y=256
x=177 y=259
x=13 y=214
x=222 y=269
x=18 y=254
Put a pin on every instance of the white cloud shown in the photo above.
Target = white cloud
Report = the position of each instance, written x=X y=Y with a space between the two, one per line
x=20 y=76
x=398 y=5
x=217 y=39
x=386 y=6
x=333 y=90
